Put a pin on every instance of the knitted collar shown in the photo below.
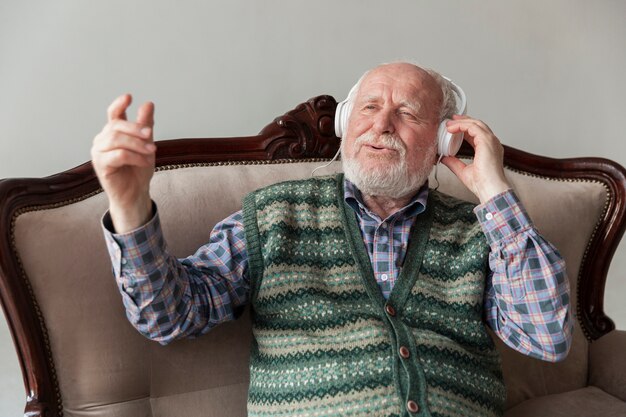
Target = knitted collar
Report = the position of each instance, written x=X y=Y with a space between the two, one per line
x=354 y=199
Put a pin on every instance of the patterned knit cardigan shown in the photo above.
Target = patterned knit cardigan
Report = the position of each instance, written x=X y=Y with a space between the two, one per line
x=327 y=343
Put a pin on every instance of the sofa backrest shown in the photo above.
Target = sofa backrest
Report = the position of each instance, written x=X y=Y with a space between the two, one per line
x=81 y=357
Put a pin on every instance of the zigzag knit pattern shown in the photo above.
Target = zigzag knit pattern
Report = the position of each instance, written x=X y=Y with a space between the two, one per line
x=327 y=343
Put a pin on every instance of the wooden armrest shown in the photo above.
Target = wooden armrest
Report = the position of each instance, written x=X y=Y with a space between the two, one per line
x=607 y=363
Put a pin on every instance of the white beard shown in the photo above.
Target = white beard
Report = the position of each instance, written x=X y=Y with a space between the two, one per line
x=393 y=180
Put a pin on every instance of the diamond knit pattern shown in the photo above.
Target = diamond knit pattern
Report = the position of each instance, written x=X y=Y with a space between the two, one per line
x=325 y=342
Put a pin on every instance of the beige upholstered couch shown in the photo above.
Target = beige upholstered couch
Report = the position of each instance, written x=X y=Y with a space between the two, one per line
x=80 y=357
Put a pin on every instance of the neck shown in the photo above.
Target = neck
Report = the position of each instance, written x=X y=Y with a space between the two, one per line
x=384 y=206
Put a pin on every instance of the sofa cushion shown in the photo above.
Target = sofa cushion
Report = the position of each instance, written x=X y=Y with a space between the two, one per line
x=607 y=363
x=585 y=402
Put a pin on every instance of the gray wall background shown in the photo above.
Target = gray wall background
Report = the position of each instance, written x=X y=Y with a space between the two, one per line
x=546 y=76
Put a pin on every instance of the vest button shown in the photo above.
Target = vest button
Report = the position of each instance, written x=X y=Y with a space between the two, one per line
x=390 y=310
x=412 y=406
x=404 y=352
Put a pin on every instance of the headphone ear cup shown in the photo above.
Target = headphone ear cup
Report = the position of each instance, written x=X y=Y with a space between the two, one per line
x=456 y=140
x=342 y=112
x=338 y=124
x=448 y=144
x=442 y=139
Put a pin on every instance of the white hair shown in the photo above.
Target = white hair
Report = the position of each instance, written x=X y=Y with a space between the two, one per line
x=448 y=105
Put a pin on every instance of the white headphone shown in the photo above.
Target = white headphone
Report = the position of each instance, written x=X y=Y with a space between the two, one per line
x=448 y=143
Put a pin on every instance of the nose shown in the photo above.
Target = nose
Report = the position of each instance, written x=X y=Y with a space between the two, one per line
x=383 y=122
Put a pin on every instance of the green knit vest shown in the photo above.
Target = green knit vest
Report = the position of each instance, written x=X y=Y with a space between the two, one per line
x=327 y=343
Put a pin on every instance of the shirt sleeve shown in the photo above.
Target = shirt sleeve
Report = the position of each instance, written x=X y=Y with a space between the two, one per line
x=168 y=298
x=527 y=298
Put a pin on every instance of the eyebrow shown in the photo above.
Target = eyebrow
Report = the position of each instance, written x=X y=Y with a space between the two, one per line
x=415 y=107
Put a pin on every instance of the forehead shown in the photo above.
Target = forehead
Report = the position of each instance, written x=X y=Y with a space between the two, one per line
x=398 y=85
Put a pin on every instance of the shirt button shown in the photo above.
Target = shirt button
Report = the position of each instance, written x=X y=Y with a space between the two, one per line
x=488 y=216
x=130 y=290
x=123 y=261
x=384 y=277
x=390 y=310
x=404 y=352
x=412 y=406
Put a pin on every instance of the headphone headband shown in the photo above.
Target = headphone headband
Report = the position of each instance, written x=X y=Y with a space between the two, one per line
x=461 y=108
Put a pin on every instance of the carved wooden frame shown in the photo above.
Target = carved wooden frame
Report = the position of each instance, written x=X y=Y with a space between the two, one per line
x=305 y=132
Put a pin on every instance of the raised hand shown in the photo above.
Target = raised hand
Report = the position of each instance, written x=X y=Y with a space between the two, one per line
x=123 y=159
x=485 y=175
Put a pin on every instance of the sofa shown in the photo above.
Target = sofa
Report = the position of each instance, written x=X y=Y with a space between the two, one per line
x=81 y=358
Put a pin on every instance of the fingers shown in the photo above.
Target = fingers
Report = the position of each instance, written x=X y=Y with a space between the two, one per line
x=472 y=129
x=465 y=123
x=117 y=109
x=120 y=158
x=124 y=134
x=121 y=141
x=128 y=128
x=116 y=147
x=145 y=114
x=119 y=133
x=111 y=152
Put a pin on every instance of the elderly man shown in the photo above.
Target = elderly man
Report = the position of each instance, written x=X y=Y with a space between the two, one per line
x=370 y=293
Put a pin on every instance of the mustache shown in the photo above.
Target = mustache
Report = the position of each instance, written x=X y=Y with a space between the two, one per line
x=387 y=140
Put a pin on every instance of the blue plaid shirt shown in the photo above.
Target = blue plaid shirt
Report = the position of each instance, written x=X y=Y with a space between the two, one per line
x=526 y=299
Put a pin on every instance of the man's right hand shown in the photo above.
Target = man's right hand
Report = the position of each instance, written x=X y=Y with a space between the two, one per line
x=123 y=158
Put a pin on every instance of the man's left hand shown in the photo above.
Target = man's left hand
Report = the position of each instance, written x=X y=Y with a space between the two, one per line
x=485 y=175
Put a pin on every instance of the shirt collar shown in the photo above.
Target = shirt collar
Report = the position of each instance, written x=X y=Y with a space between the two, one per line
x=354 y=199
